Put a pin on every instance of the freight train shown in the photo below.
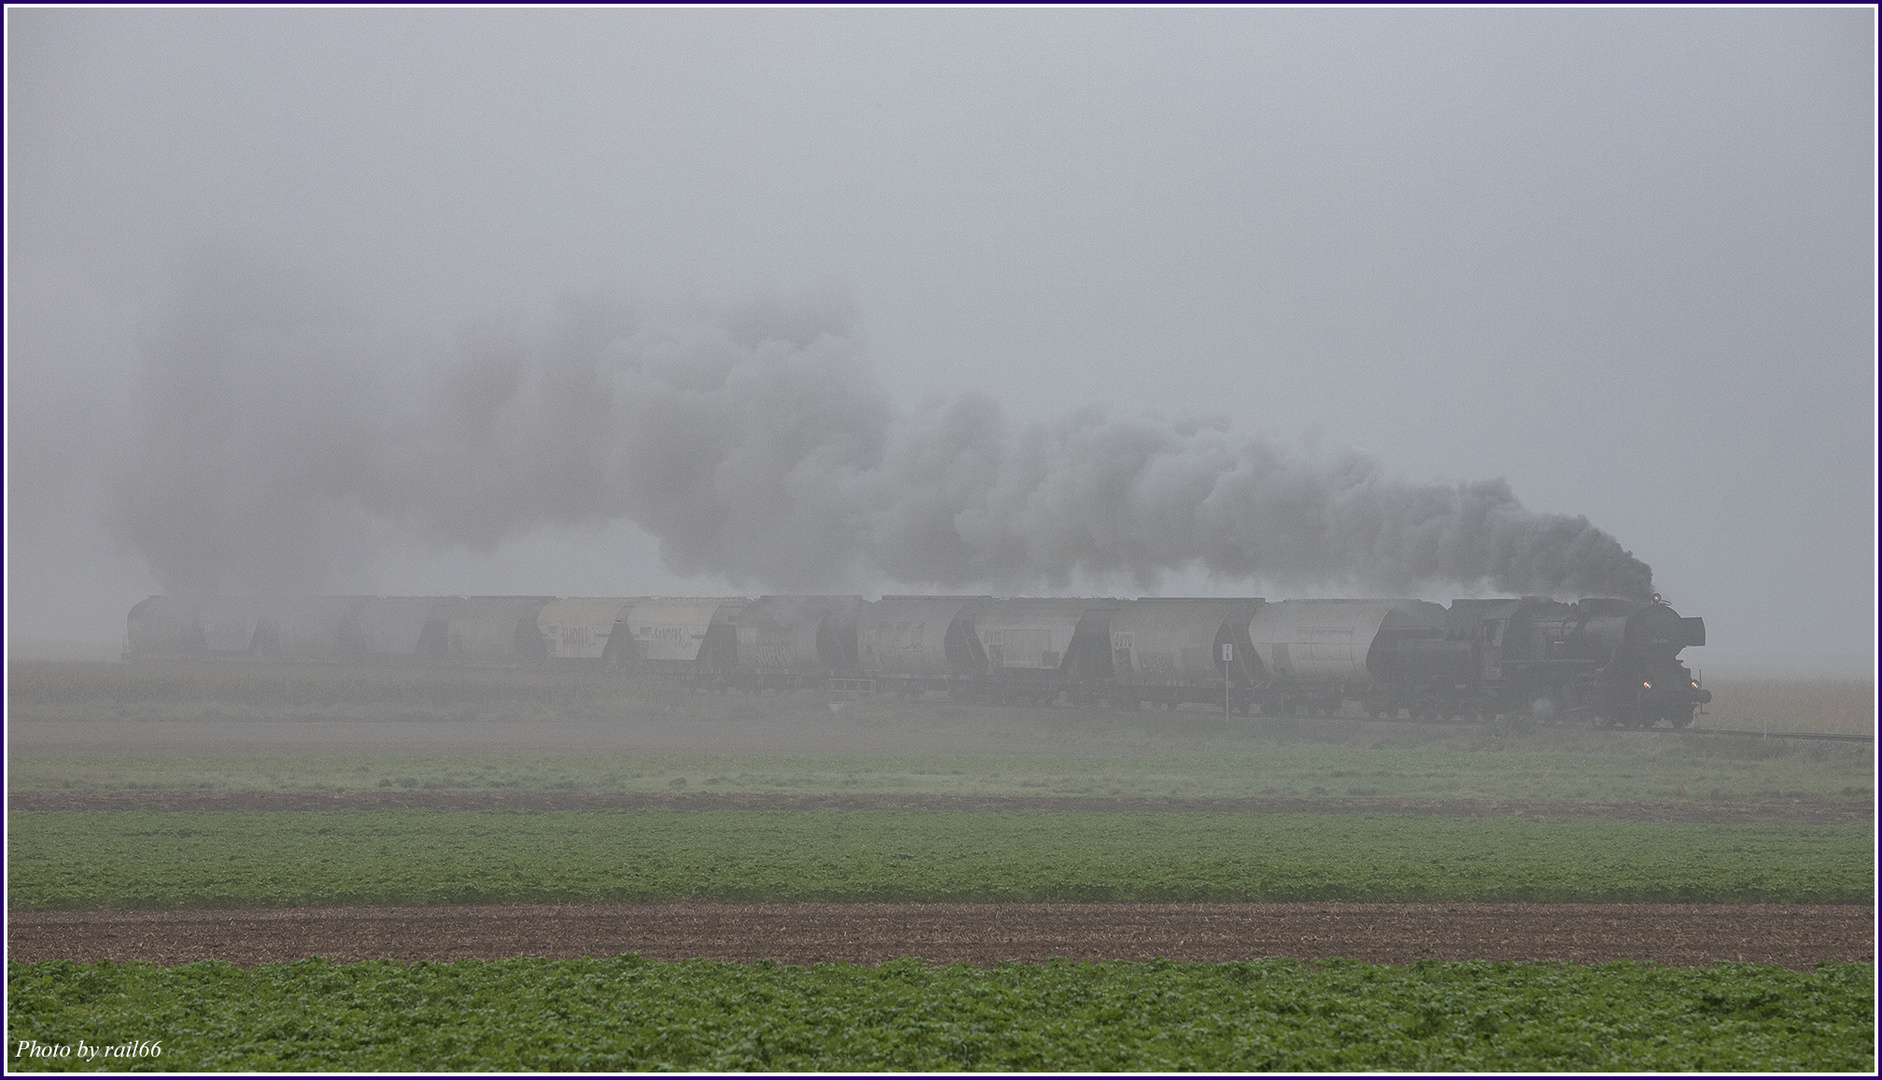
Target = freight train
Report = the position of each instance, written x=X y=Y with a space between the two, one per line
x=1602 y=661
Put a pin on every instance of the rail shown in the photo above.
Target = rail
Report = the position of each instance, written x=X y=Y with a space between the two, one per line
x=1820 y=736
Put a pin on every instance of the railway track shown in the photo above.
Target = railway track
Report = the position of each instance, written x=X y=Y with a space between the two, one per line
x=1817 y=736
x=1820 y=736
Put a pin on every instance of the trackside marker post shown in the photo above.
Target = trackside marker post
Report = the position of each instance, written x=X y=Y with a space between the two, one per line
x=1228 y=657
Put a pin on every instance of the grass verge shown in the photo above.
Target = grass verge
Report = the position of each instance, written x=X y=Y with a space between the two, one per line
x=64 y=692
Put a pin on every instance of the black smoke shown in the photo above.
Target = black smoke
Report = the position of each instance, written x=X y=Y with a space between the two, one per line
x=280 y=442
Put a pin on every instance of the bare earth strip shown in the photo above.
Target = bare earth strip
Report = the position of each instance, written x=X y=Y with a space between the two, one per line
x=1799 y=812
x=1793 y=935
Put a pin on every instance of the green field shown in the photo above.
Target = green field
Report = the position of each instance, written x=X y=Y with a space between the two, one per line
x=626 y=1014
x=184 y=860
x=1664 y=768
x=224 y=729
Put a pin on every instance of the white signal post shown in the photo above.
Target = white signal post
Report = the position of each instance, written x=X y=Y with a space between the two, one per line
x=1228 y=657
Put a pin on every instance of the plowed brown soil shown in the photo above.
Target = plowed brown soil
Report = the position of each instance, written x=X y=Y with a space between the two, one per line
x=1799 y=812
x=1795 y=936
x=805 y=933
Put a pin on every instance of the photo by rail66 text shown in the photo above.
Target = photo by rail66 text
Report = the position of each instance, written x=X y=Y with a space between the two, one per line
x=32 y=1048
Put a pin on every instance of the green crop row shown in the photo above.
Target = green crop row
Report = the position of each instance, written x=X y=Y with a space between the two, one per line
x=182 y=860
x=627 y=1013
x=1582 y=765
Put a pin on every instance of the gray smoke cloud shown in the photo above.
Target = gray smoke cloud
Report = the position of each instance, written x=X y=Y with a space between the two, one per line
x=282 y=441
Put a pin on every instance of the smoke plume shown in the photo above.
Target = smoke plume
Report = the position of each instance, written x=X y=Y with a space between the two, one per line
x=281 y=442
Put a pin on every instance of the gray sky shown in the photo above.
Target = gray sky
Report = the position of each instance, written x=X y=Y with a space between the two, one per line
x=1624 y=259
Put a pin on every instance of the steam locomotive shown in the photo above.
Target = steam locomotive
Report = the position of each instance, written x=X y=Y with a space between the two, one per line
x=1601 y=661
